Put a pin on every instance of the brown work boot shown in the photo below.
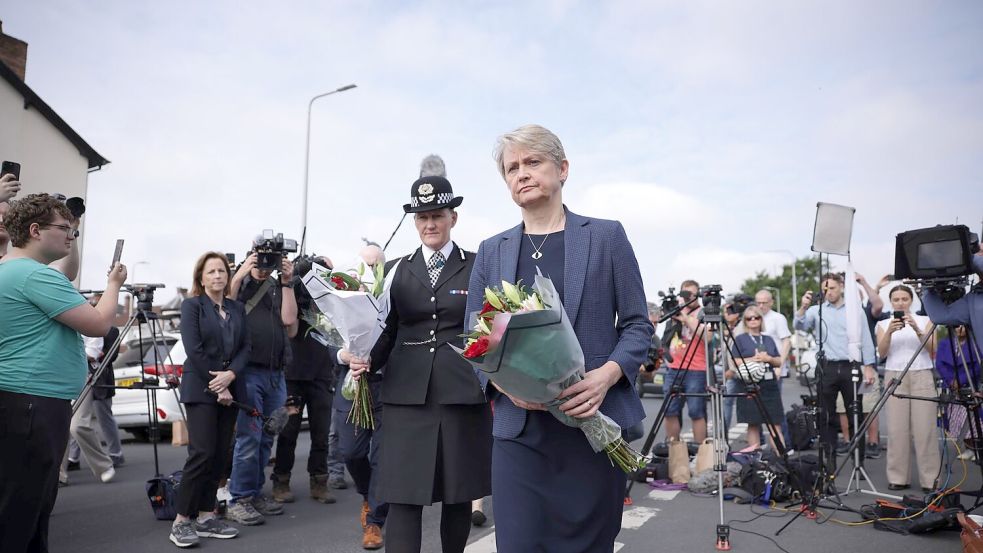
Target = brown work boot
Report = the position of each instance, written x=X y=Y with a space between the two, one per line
x=372 y=537
x=319 y=489
x=365 y=513
x=281 y=488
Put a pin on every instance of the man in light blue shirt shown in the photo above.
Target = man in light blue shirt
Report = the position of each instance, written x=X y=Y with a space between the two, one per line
x=837 y=368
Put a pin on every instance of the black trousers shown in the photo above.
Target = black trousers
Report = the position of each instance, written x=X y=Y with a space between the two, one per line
x=210 y=430
x=838 y=379
x=316 y=395
x=406 y=523
x=33 y=438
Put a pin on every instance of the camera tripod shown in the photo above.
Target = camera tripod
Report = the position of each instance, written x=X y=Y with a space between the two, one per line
x=711 y=325
x=143 y=314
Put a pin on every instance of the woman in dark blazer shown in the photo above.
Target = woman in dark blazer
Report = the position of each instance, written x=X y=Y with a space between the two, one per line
x=551 y=491
x=437 y=444
x=216 y=341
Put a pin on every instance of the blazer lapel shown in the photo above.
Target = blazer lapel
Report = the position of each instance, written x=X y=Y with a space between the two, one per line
x=576 y=254
x=509 y=254
x=452 y=266
x=418 y=267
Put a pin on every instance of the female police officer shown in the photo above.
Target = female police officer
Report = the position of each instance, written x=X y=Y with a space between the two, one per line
x=437 y=444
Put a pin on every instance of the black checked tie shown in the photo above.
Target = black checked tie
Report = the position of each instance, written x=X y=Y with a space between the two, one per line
x=434 y=266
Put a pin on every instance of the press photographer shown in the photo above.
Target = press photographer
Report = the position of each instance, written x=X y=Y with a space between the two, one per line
x=688 y=351
x=271 y=316
x=42 y=362
x=309 y=377
x=838 y=368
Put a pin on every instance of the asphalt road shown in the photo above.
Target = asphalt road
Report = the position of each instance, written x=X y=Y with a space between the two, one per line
x=116 y=517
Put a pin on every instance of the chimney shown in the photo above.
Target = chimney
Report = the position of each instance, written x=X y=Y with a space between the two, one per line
x=13 y=52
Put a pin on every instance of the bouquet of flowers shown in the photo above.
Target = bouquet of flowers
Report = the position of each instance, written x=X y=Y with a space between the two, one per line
x=356 y=311
x=524 y=343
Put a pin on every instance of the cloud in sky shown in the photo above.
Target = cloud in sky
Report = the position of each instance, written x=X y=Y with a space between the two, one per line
x=711 y=130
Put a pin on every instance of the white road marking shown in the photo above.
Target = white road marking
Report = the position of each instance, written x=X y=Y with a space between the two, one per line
x=635 y=517
x=485 y=545
x=618 y=546
x=663 y=495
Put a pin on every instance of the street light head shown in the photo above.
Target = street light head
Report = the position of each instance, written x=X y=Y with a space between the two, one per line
x=347 y=87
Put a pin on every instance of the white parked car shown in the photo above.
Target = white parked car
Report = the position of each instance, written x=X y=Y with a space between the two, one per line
x=131 y=406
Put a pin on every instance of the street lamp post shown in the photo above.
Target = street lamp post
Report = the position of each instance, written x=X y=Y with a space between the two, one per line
x=133 y=280
x=795 y=291
x=307 y=162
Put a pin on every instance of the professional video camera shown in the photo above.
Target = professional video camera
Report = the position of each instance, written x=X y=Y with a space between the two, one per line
x=670 y=302
x=270 y=248
x=739 y=303
x=711 y=302
x=939 y=256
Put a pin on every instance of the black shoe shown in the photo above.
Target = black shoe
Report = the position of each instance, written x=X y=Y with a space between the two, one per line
x=118 y=462
x=842 y=447
x=927 y=490
x=897 y=487
x=73 y=465
x=478 y=518
x=873 y=450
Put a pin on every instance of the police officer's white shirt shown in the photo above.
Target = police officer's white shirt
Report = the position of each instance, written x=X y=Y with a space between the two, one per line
x=428 y=252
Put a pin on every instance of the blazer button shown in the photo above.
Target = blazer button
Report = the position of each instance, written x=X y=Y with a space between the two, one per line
x=434 y=316
x=432 y=299
x=431 y=333
x=431 y=350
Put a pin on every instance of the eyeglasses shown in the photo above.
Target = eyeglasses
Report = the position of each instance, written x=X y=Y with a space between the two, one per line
x=68 y=230
x=752 y=318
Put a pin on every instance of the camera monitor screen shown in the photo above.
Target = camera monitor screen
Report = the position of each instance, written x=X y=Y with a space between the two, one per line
x=940 y=255
x=943 y=251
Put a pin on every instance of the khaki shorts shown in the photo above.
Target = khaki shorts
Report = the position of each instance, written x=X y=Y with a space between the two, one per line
x=868 y=401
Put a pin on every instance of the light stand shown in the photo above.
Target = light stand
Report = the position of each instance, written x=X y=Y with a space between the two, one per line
x=859 y=472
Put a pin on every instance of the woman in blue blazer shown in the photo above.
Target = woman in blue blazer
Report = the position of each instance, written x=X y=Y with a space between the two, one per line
x=216 y=340
x=551 y=491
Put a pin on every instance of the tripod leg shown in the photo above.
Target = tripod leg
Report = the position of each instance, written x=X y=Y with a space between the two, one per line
x=675 y=392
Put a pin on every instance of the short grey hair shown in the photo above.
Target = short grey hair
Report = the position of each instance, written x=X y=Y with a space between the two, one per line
x=536 y=139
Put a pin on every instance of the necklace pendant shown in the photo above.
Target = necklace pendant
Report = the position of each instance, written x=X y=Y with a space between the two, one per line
x=536 y=255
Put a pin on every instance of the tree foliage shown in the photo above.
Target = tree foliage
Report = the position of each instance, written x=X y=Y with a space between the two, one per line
x=807 y=278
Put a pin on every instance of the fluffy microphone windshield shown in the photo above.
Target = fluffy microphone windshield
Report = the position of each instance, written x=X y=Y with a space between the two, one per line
x=433 y=166
x=278 y=419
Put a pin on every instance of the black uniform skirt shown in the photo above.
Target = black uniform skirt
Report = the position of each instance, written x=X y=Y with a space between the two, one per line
x=553 y=493
x=771 y=397
x=435 y=453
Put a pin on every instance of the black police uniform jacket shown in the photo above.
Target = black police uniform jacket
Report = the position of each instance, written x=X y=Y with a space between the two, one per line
x=437 y=442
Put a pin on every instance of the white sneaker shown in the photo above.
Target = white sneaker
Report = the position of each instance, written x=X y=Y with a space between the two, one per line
x=108 y=475
x=967 y=455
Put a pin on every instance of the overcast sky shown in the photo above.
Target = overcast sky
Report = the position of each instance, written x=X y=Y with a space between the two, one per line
x=710 y=129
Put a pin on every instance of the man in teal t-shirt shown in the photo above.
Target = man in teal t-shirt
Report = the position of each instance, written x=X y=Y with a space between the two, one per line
x=38 y=355
x=42 y=363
